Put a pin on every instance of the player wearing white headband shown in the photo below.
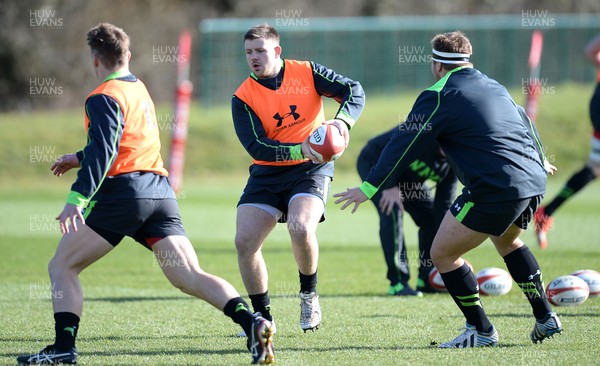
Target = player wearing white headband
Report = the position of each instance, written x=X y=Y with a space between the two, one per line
x=496 y=153
x=451 y=58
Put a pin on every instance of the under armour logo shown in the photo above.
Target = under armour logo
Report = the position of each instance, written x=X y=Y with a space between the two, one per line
x=530 y=277
x=292 y=113
x=457 y=207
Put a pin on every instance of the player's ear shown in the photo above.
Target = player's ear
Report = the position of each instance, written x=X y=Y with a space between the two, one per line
x=128 y=56
x=277 y=51
x=95 y=60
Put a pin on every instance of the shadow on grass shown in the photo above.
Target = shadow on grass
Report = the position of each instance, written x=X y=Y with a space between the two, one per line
x=200 y=351
x=179 y=351
x=137 y=298
x=105 y=338
x=561 y=315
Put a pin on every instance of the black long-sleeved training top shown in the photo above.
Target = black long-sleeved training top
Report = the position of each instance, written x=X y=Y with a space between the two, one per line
x=492 y=145
x=432 y=165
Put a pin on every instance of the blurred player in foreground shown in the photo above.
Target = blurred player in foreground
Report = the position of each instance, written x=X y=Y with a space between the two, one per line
x=122 y=190
x=496 y=153
x=409 y=192
x=589 y=172
x=274 y=112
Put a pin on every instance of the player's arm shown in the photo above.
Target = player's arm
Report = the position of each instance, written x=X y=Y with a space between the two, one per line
x=592 y=51
x=251 y=133
x=348 y=93
x=104 y=135
x=532 y=132
x=418 y=132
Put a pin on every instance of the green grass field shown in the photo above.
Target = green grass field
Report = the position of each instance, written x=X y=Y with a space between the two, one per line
x=132 y=316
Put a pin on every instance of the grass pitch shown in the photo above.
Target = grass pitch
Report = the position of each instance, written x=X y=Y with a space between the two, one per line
x=132 y=316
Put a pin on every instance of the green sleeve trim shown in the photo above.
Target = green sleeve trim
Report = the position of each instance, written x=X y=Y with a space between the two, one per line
x=341 y=111
x=296 y=152
x=344 y=116
x=414 y=139
x=77 y=199
x=368 y=189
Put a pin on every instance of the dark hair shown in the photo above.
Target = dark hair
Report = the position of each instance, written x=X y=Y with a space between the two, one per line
x=110 y=43
x=452 y=42
x=262 y=31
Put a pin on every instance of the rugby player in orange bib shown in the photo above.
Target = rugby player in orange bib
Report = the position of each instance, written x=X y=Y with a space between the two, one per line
x=122 y=190
x=274 y=112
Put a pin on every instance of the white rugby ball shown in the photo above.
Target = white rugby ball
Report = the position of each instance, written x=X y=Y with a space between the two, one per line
x=327 y=143
x=567 y=291
x=435 y=280
x=494 y=281
x=592 y=278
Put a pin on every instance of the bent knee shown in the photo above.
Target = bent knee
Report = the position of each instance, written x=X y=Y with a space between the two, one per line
x=246 y=245
x=442 y=258
x=56 y=266
x=301 y=233
x=436 y=256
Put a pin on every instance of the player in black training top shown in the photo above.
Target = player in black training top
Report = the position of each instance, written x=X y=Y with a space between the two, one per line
x=496 y=153
x=409 y=192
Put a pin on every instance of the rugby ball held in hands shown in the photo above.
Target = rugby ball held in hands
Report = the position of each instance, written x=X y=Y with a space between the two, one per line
x=494 y=281
x=567 y=291
x=327 y=143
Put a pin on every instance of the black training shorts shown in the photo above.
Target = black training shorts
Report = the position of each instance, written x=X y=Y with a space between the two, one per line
x=494 y=218
x=145 y=220
x=278 y=195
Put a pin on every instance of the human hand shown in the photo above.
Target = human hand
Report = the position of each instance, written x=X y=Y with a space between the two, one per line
x=342 y=127
x=389 y=198
x=70 y=213
x=308 y=153
x=64 y=163
x=352 y=195
x=550 y=169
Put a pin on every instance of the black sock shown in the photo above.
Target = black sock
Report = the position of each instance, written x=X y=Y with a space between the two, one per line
x=526 y=272
x=262 y=304
x=237 y=309
x=66 y=326
x=462 y=285
x=308 y=283
x=573 y=185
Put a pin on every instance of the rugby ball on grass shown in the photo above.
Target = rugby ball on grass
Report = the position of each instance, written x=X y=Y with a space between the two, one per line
x=327 y=143
x=494 y=281
x=592 y=278
x=567 y=291
x=435 y=278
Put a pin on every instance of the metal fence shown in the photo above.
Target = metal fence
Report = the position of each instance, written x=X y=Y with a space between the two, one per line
x=391 y=54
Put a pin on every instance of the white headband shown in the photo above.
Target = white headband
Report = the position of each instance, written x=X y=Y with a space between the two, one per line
x=450 y=58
